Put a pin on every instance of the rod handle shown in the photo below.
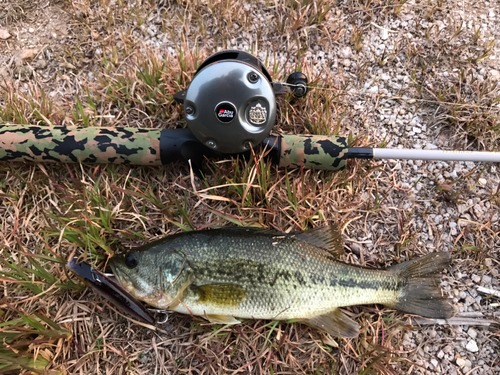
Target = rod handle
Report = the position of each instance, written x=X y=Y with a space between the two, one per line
x=313 y=151
x=80 y=144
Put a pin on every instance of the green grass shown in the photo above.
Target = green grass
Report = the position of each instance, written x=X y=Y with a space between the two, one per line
x=49 y=213
x=23 y=343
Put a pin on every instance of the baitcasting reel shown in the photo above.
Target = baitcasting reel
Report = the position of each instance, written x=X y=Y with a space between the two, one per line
x=230 y=106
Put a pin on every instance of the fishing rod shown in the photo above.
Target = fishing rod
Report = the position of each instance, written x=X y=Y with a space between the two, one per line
x=230 y=109
x=162 y=146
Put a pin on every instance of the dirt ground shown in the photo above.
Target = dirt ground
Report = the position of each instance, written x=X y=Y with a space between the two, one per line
x=384 y=73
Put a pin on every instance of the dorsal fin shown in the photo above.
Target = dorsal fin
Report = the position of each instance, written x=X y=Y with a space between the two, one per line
x=327 y=238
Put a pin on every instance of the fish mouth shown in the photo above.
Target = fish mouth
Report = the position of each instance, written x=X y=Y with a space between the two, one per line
x=111 y=289
x=124 y=279
x=121 y=277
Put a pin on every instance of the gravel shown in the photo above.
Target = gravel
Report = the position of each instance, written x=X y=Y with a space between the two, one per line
x=447 y=203
x=447 y=206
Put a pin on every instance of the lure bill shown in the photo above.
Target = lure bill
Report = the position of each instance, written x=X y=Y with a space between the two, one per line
x=110 y=290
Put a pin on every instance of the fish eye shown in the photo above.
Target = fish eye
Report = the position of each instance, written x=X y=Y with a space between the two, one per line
x=132 y=260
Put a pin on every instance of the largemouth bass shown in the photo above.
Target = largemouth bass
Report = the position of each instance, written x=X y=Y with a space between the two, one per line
x=227 y=274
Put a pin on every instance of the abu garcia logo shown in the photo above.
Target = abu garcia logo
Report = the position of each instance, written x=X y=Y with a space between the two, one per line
x=226 y=113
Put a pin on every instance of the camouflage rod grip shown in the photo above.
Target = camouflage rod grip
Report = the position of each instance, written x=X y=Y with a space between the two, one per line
x=84 y=145
x=313 y=151
x=154 y=147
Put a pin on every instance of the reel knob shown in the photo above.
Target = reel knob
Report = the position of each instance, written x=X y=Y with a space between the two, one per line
x=298 y=84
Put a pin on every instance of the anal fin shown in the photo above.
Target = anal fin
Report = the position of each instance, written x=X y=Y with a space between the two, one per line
x=222 y=319
x=336 y=323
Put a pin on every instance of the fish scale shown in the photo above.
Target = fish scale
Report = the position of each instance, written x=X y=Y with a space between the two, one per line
x=295 y=284
x=226 y=274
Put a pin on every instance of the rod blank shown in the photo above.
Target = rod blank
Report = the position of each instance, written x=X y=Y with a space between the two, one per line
x=475 y=156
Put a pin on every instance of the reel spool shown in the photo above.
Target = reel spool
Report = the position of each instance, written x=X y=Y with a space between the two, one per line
x=230 y=106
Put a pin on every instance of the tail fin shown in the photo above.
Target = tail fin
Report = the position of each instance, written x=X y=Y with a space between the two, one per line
x=420 y=293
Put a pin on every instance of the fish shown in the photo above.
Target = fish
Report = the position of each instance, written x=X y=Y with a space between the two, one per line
x=110 y=290
x=228 y=274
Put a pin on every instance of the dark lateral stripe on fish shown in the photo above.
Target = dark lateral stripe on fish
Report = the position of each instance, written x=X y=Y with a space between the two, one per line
x=257 y=274
x=317 y=279
x=364 y=284
x=253 y=274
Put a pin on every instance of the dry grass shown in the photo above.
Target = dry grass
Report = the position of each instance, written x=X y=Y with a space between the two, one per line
x=118 y=63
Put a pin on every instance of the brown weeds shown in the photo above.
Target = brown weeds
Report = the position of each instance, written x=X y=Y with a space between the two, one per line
x=120 y=65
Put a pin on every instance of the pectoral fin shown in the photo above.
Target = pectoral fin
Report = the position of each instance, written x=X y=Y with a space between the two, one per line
x=221 y=295
x=336 y=323
x=222 y=319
